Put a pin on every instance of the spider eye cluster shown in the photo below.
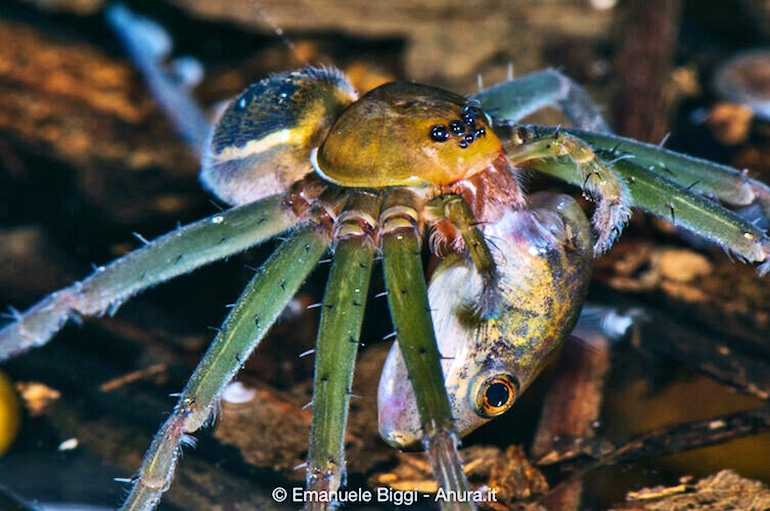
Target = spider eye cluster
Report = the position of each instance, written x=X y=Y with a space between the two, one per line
x=466 y=129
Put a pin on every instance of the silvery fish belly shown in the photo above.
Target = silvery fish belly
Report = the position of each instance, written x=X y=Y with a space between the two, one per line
x=544 y=257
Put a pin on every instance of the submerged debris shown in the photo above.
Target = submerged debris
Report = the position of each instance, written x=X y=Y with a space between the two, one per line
x=721 y=491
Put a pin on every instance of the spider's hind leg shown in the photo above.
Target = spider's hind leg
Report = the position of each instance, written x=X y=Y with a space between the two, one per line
x=179 y=252
x=252 y=315
x=148 y=44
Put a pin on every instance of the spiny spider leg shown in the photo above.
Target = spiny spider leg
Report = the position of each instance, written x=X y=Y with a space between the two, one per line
x=338 y=339
x=410 y=311
x=730 y=186
x=667 y=195
x=528 y=148
x=256 y=310
x=668 y=199
x=544 y=256
x=512 y=100
x=174 y=254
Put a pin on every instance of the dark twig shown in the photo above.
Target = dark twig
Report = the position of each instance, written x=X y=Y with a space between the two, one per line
x=661 y=441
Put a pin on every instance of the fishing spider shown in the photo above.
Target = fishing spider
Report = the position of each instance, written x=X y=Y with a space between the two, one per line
x=405 y=167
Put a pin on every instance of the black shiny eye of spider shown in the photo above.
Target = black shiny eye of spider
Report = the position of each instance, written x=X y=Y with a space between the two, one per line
x=457 y=128
x=439 y=133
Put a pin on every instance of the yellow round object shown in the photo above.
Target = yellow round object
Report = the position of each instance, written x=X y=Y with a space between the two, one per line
x=405 y=134
x=10 y=413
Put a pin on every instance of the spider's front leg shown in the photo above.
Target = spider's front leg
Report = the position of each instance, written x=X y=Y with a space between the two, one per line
x=516 y=98
x=544 y=258
x=672 y=186
x=726 y=184
x=630 y=173
x=411 y=313
x=527 y=148
x=256 y=310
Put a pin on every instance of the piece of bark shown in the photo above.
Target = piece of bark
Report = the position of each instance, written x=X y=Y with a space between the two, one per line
x=723 y=491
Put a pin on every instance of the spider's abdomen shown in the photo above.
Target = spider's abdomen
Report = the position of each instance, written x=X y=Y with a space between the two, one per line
x=262 y=142
x=404 y=134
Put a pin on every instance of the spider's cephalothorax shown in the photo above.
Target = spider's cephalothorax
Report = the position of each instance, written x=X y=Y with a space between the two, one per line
x=409 y=135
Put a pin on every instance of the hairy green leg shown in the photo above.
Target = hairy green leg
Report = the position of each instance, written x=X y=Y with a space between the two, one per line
x=512 y=100
x=701 y=176
x=663 y=197
x=656 y=193
x=173 y=254
x=529 y=148
x=338 y=339
x=410 y=311
x=256 y=310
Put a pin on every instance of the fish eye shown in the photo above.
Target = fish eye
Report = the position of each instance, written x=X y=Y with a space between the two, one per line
x=494 y=394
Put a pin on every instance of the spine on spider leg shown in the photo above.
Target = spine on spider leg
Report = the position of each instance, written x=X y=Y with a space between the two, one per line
x=171 y=255
x=256 y=310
